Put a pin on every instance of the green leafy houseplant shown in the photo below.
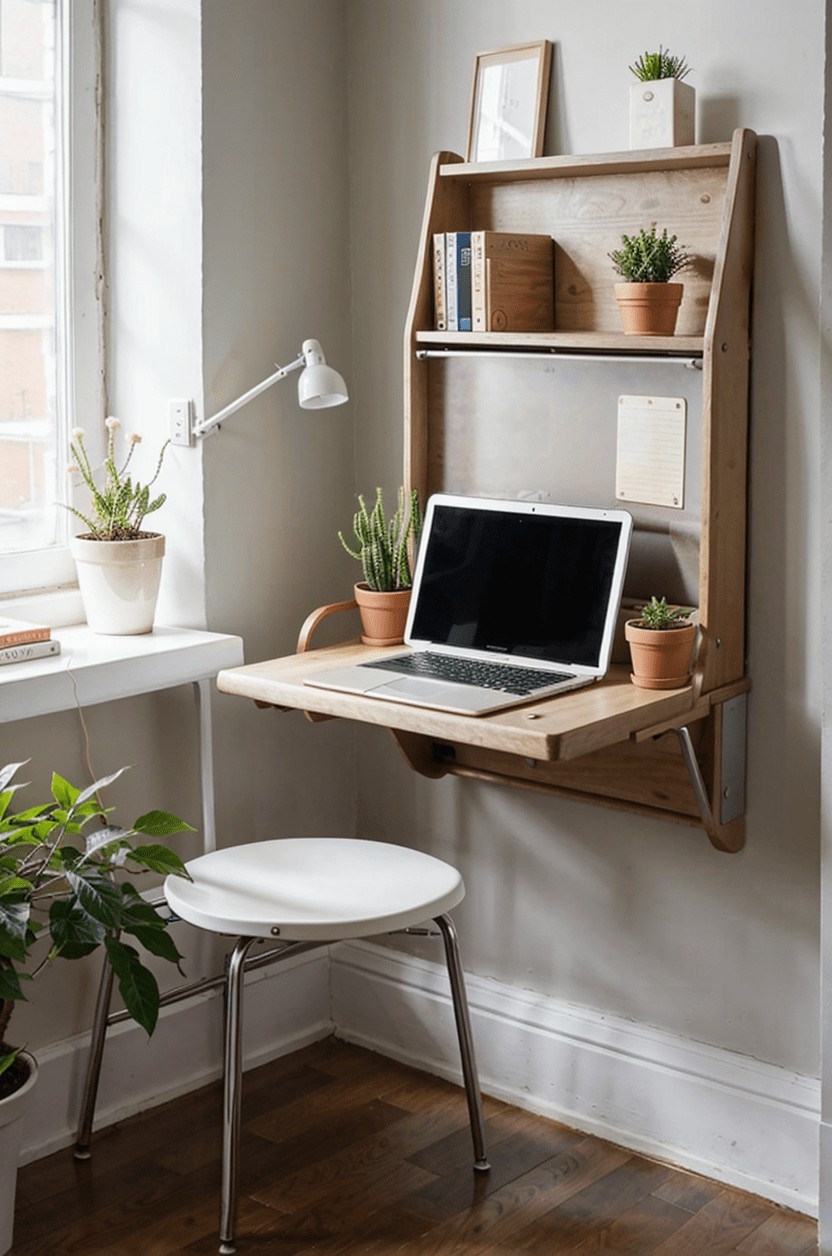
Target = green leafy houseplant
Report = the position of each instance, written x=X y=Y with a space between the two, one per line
x=66 y=892
x=657 y=614
x=649 y=257
x=651 y=66
x=119 y=505
x=382 y=545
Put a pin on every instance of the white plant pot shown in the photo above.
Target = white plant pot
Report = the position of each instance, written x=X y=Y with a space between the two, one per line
x=12 y=1111
x=662 y=114
x=119 y=582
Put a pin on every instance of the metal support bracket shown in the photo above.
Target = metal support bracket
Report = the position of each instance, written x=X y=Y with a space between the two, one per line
x=730 y=766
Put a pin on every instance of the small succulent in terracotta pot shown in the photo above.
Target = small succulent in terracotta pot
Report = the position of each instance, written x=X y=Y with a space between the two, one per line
x=661 y=645
x=648 y=302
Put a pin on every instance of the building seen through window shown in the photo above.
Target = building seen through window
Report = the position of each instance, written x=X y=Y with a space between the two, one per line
x=30 y=403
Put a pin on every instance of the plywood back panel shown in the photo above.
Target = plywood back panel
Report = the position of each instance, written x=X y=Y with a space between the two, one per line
x=546 y=428
x=586 y=217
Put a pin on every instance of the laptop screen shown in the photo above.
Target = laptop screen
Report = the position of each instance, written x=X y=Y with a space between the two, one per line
x=523 y=579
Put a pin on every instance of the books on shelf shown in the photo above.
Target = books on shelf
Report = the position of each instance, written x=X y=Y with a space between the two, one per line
x=493 y=281
x=21 y=632
x=29 y=650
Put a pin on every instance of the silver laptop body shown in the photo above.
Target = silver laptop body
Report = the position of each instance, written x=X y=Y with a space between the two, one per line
x=530 y=588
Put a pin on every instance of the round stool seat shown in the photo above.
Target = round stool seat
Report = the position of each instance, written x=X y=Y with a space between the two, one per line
x=313 y=889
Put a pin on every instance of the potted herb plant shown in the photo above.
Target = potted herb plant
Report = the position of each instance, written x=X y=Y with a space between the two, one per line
x=65 y=890
x=119 y=564
x=662 y=105
x=648 y=302
x=661 y=645
x=384 y=548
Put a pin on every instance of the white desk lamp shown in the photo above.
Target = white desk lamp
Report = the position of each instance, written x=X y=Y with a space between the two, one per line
x=318 y=386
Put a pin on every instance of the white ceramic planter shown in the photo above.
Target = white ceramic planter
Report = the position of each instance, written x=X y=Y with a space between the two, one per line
x=662 y=114
x=12 y=1111
x=119 y=582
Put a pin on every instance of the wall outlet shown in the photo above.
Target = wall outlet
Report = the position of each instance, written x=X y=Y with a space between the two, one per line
x=180 y=415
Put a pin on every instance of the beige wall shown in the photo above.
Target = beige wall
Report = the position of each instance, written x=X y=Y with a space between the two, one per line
x=640 y=918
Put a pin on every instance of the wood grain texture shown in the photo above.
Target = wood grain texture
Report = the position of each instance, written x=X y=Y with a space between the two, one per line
x=565 y=727
x=394 y=1177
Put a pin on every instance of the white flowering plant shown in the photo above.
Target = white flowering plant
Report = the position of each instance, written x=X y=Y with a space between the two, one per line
x=65 y=891
x=120 y=504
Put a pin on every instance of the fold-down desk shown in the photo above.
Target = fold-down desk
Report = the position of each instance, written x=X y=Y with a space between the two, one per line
x=610 y=732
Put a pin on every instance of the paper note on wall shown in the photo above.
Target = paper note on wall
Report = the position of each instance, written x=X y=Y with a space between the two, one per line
x=650 y=459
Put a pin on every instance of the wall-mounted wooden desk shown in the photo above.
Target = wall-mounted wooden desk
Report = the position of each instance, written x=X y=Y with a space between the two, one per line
x=549 y=745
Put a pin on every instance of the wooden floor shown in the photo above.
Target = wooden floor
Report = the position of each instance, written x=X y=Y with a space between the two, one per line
x=348 y=1152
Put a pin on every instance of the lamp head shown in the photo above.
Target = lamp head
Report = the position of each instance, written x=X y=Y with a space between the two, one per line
x=319 y=385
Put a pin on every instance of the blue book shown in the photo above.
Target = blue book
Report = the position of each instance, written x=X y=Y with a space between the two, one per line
x=463 y=280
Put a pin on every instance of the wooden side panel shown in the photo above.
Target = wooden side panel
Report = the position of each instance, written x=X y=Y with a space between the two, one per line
x=725 y=428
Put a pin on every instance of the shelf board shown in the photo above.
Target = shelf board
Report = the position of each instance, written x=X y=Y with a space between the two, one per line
x=588 y=342
x=633 y=162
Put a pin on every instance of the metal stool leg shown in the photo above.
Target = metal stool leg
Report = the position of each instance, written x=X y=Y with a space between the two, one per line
x=232 y=1082
x=98 y=1034
x=466 y=1041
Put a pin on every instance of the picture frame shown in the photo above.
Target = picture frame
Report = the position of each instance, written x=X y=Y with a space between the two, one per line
x=509 y=97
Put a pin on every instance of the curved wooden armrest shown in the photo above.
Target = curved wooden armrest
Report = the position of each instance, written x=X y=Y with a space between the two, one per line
x=317 y=617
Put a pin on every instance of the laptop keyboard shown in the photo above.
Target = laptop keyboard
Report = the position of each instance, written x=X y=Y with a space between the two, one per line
x=497 y=676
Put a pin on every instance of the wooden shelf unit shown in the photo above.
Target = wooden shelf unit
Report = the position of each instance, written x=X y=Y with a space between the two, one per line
x=705 y=194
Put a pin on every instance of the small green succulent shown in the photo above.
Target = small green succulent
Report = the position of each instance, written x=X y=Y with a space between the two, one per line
x=649 y=257
x=659 y=65
x=657 y=614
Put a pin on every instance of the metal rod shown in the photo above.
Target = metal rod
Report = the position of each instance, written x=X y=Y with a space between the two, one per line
x=700 y=791
x=202 y=695
x=207 y=425
x=83 y=1136
x=466 y=1041
x=690 y=363
x=232 y=1084
x=179 y=993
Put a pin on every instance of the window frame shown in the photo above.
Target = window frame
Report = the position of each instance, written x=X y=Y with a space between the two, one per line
x=79 y=273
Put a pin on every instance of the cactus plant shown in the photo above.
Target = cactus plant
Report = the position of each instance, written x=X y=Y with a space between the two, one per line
x=382 y=546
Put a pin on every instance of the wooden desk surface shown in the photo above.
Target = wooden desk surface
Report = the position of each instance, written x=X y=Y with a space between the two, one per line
x=556 y=728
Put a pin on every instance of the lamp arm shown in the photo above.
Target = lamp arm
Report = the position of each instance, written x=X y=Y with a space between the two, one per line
x=207 y=425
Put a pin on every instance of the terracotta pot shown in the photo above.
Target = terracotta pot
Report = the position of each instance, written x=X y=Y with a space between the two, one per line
x=12 y=1112
x=661 y=657
x=649 y=309
x=119 y=582
x=383 y=615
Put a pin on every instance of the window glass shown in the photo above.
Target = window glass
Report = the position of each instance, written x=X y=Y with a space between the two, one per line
x=41 y=215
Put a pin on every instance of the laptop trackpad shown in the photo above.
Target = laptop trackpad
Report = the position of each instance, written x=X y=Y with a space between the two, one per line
x=414 y=687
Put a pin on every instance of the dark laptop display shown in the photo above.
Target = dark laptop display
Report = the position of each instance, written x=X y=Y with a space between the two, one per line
x=534 y=586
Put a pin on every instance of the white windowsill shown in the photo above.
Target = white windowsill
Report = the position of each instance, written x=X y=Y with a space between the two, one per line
x=92 y=668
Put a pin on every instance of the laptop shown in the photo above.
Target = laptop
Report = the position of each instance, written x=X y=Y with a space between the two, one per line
x=512 y=601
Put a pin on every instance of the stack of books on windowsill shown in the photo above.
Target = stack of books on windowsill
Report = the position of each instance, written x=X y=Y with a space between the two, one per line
x=493 y=281
x=21 y=641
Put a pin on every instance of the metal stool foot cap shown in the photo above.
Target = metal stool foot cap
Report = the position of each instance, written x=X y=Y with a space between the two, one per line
x=228 y=1249
x=482 y=1166
x=81 y=1153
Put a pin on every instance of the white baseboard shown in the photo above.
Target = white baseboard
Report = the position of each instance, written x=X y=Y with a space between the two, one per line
x=732 y=1118
x=290 y=1009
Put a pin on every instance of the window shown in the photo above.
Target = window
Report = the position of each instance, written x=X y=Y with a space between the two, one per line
x=49 y=260
x=22 y=243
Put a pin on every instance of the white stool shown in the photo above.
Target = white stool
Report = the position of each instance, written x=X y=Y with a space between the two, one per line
x=306 y=892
